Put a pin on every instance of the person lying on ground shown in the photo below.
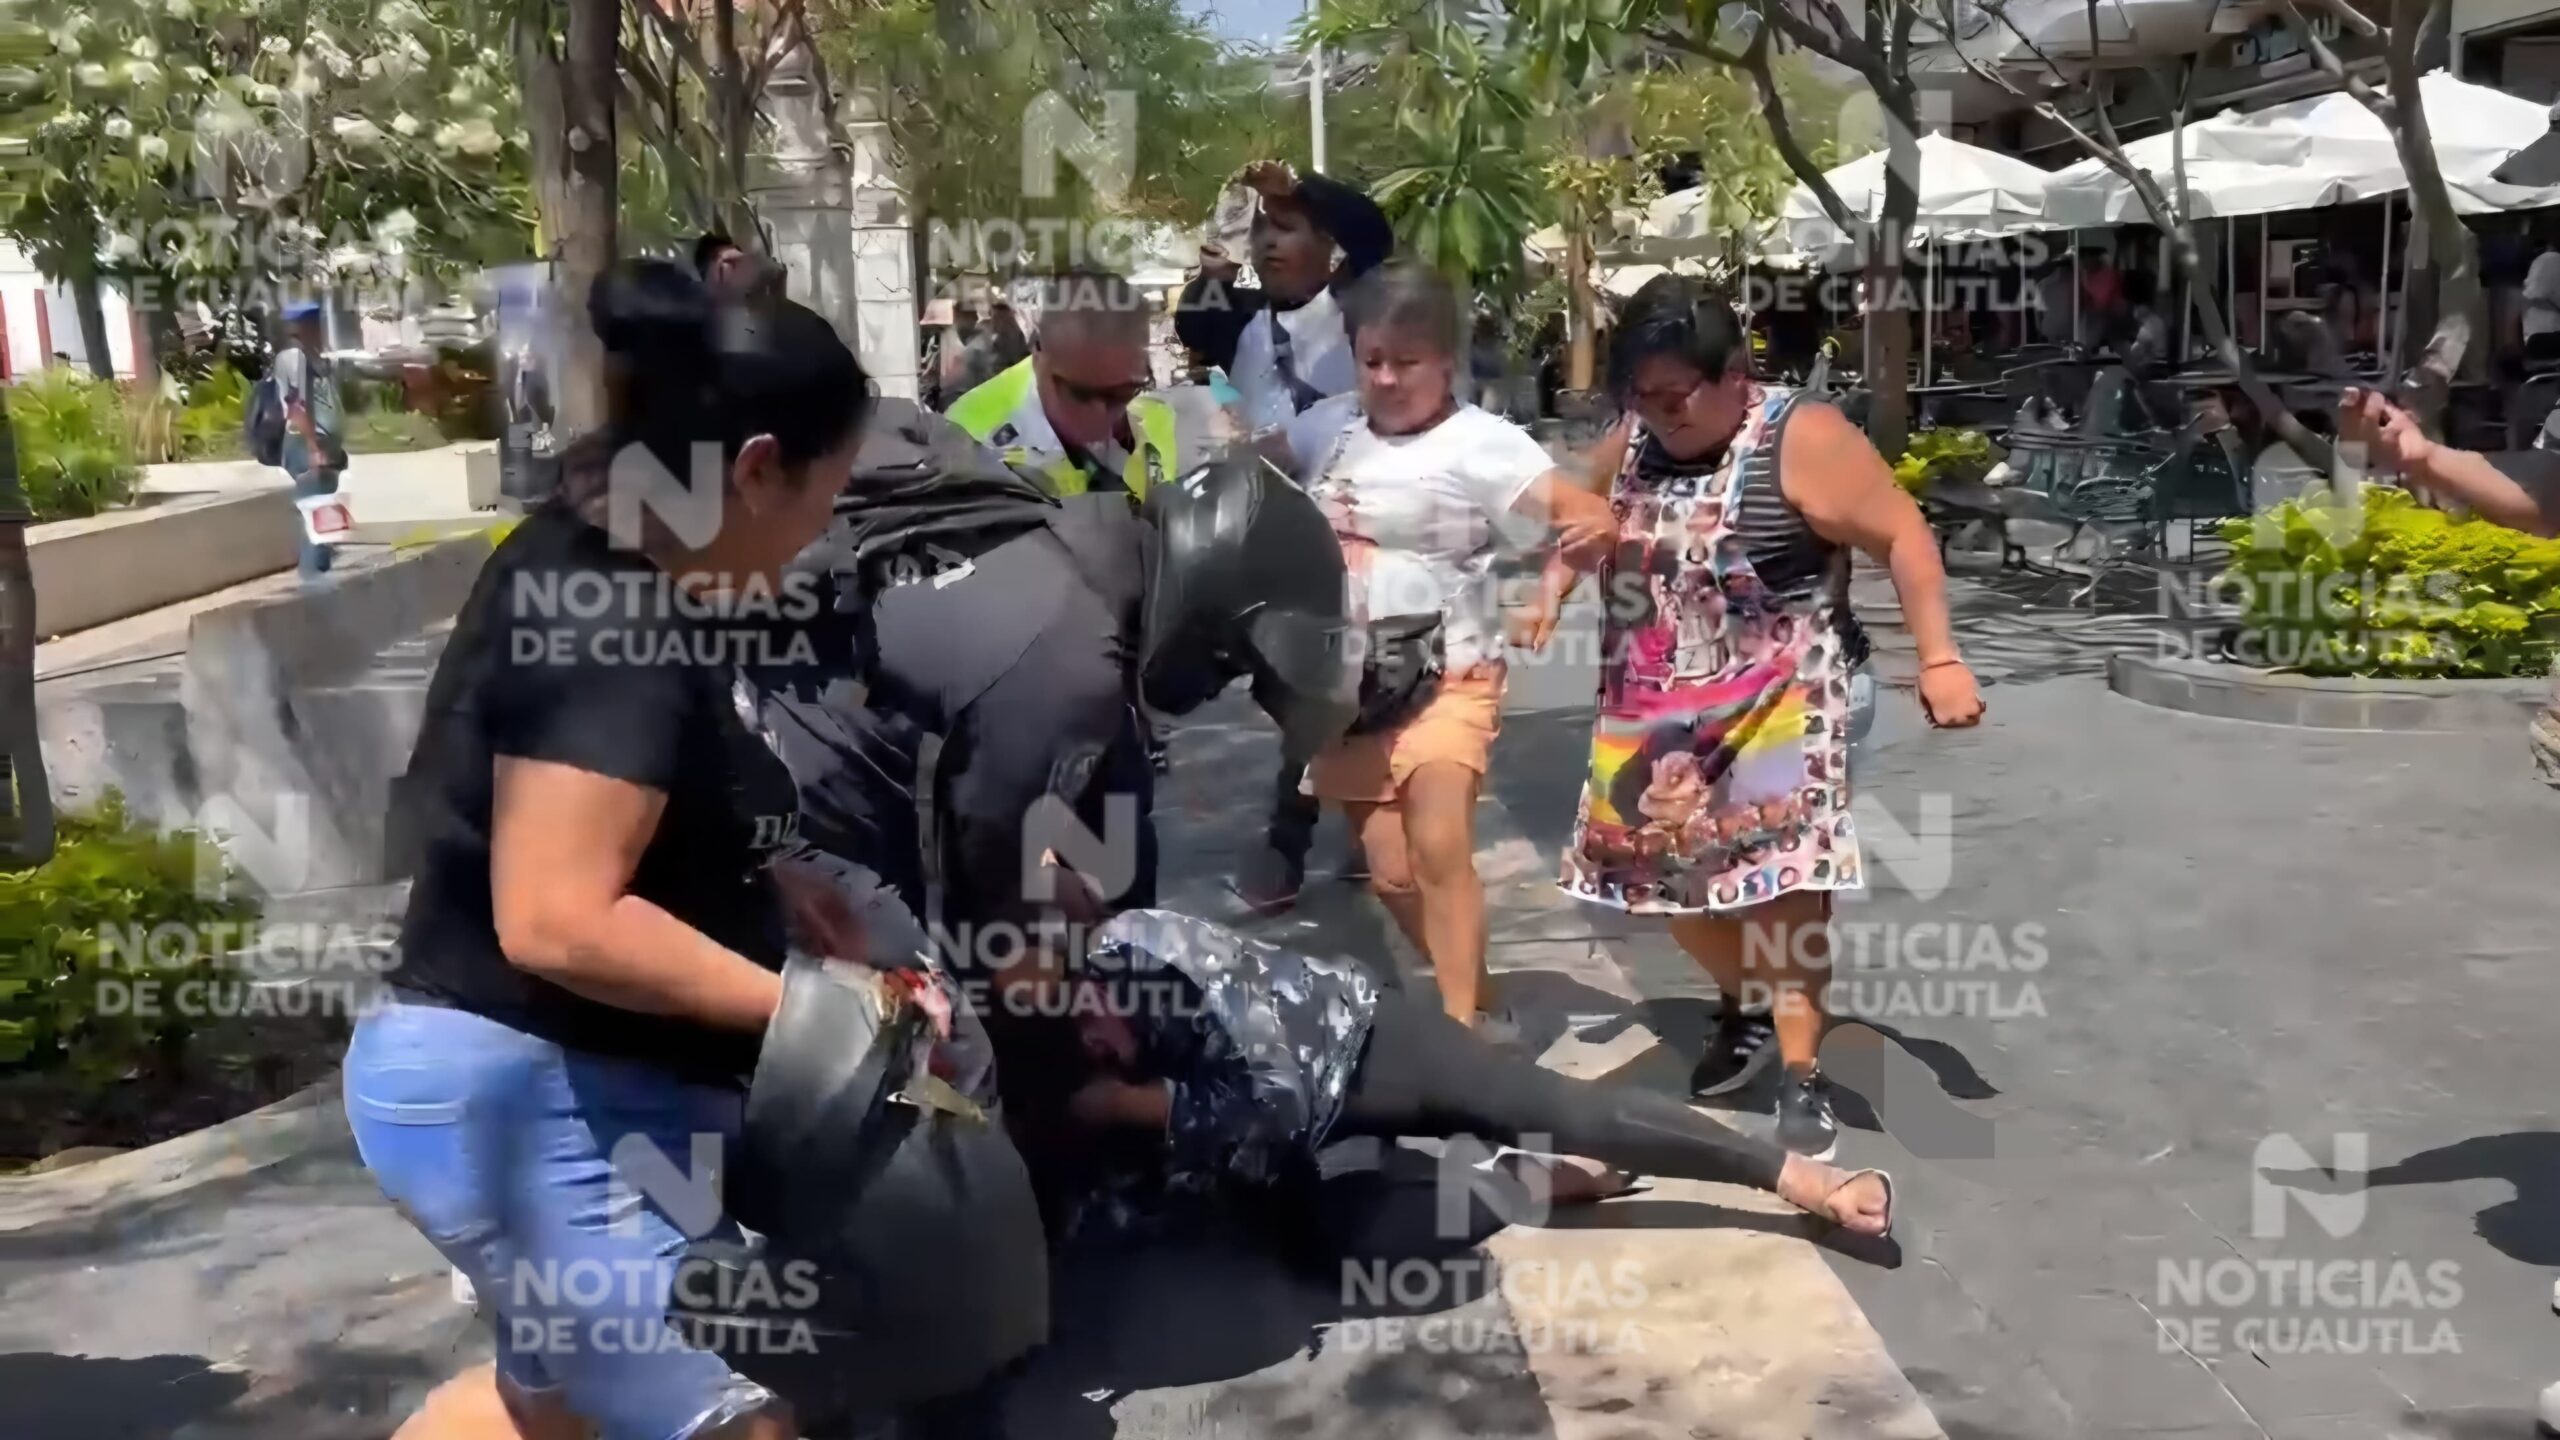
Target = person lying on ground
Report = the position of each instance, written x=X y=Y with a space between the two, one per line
x=1238 y=1062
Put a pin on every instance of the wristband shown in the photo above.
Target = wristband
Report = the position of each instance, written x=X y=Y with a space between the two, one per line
x=1937 y=664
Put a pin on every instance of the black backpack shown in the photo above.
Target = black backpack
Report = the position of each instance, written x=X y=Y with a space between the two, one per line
x=262 y=421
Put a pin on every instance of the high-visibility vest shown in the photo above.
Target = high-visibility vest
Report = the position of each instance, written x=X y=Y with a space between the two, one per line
x=1005 y=412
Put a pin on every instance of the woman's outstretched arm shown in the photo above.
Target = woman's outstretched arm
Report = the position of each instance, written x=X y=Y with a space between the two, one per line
x=2520 y=490
x=1835 y=479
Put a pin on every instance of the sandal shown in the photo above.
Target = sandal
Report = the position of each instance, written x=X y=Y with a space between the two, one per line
x=1850 y=1179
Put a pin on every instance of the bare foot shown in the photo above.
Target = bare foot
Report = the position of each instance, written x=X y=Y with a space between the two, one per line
x=1860 y=1203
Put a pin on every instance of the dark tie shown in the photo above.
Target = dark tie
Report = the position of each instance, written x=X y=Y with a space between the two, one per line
x=1283 y=355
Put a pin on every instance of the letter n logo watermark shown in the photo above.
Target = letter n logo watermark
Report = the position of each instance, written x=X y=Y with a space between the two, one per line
x=643 y=1175
x=1921 y=860
x=1051 y=830
x=1051 y=127
x=638 y=488
x=276 y=861
x=2340 y=1215
x=1465 y=1181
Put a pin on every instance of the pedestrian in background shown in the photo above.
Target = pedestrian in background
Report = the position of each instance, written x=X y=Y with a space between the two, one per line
x=315 y=453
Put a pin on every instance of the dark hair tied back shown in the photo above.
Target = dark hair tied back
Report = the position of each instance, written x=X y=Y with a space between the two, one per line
x=684 y=369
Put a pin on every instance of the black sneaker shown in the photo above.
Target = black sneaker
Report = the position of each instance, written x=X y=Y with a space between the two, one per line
x=1805 y=1123
x=1740 y=1048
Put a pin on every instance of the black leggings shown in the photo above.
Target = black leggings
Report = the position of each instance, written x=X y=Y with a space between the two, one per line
x=1424 y=1075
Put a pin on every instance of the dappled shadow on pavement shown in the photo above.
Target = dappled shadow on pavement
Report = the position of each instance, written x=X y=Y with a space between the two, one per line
x=1239 y=1340
x=2524 y=1228
x=44 y=1395
x=330 y=1392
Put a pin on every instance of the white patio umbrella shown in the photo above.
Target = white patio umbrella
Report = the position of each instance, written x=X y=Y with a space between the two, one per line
x=1963 y=191
x=1962 y=188
x=2474 y=129
x=2317 y=151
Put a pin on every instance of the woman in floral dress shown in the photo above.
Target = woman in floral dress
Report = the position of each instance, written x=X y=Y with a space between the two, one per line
x=1733 y=681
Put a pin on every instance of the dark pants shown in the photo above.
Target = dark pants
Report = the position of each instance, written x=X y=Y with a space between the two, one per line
x=1424 y=1075
x=1293 y=817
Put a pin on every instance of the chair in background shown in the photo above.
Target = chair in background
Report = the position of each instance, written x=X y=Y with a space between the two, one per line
x=2529 y=409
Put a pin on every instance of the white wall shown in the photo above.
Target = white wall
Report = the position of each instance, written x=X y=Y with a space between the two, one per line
x=21 y=293
x=2471 y=15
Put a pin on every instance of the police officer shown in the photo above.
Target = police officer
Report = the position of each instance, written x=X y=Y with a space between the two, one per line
x=1076 y=411
x=1021 y=630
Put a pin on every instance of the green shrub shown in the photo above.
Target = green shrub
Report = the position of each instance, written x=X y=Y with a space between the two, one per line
x=464 y=390
x=378 y=430
x=217 y=406
x=365 y=395
x=70 y=924
x=2389 y=587
x=75 y=443
x=1953 y=455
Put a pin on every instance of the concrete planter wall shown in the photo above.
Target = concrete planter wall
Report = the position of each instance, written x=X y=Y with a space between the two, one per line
x=107 y=567
x=2238 y=692
x=290 y=711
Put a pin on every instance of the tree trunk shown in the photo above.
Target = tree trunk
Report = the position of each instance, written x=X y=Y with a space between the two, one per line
x=1577 y=321
x=86 y=299
x=2445 y=302
x=26 y=799
x=569 y=103
x=1888 y=347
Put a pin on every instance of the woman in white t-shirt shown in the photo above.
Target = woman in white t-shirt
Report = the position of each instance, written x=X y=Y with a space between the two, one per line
x=1423 y=490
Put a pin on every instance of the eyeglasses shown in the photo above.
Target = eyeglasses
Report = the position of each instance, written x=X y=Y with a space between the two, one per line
x=1663 y=400
x=1117 y=397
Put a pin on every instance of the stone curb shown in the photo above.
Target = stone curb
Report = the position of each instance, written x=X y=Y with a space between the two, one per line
x=104 y=1194
x=318 y=637
x=2237 y=692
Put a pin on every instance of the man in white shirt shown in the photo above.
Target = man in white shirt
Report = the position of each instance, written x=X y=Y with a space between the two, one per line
x=1283 y=345
x=1285 y=349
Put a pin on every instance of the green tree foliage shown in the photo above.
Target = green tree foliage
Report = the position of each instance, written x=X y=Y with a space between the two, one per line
x=958 y=76
x=1476 y=128
x=304 y=143
x=1459 y=177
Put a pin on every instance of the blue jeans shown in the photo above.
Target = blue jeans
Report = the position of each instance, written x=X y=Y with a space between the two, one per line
x=533 y=1170
x=318 y=480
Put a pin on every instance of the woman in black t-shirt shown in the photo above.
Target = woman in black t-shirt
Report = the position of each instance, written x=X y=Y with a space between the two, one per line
x=602 y=887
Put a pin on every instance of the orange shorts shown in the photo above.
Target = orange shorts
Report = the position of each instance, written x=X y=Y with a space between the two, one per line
x=1458 y=726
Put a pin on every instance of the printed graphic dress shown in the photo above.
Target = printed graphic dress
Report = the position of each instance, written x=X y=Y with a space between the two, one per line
x=1719 y=758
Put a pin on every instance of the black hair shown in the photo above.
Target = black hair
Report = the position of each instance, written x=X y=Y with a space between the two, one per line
x=1410 y=298
x=1674 y=315
x=707 y=249
x=684 y=368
